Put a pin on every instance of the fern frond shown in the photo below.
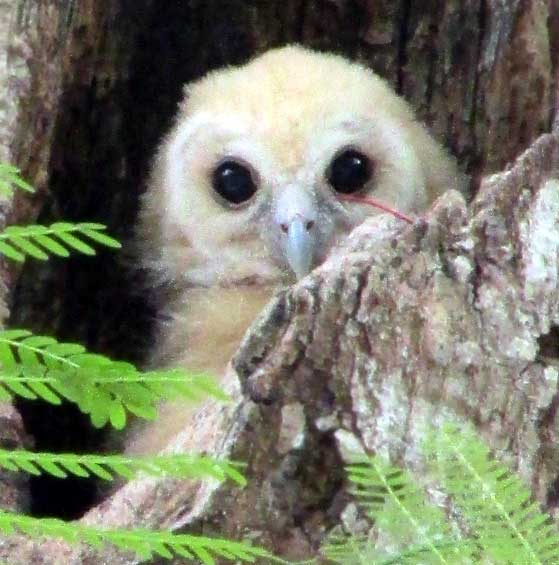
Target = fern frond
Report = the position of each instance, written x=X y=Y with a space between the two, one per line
x=350 y=549
x=359 y=550
x=40 y=367
x=108 y=467
x=144 y=543
x=17 y=242
x=398 y=505
x=10 y=179
x=462 y=551
x=495 y=504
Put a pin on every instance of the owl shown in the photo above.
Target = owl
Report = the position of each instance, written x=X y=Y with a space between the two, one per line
x=249 y=189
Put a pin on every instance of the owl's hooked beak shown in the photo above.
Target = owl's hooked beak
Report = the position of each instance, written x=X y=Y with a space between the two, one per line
x=295 y=215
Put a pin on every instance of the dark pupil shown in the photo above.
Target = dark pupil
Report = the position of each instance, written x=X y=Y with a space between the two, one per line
x=233 y=181
x=349 y=171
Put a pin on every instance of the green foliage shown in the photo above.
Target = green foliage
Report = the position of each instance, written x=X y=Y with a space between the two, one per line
x=60 y=238
x=144 y=543
x=413 y=530
x=10 y=179
x=41 y=367
x=17 y=242
x=501 y=516
x=497 y=521
x=108 y=467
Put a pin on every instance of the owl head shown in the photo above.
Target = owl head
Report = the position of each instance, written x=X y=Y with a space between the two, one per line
x=249 y=186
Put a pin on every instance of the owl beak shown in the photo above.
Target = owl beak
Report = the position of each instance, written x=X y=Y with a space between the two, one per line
x=296 y=217
x=299 y=246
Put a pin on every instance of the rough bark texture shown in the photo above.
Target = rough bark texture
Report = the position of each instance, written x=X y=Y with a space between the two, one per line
x=455 y=317
x=409 y=327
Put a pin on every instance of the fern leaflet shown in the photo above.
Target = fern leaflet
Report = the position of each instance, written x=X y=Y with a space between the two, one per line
x=17 y=242
x=144 y=543
x=40 y=367
x=108 y=467
x=497 y=507
x=352 y=549
x=401 y=513
x=10 y=178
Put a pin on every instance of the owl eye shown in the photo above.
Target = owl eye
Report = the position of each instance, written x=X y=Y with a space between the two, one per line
x=349 y=171
x=233 y=181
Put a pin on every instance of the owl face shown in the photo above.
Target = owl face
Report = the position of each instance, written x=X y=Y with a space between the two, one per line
x=249 y=186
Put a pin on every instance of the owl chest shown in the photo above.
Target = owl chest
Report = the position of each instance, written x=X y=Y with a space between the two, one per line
x=208 y=325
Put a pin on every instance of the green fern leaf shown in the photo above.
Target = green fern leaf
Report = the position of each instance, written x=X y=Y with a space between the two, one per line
x=37 y=341
x=413 y=531
x=204 y=555
x=51 y=245
x=40 y=367
x=10 y=178
x=397 y=505
x=64 y=349
x=44 y=392
x=360 y=550
x=350 y=549
x=25 y=246
x=8 y=363
x=29 y=467
x=494 y=502
x=145 y=411
x=123 y=470
x=17 y=242
x=63 y=232
x=19 y=389
x=74 y=467
x=50 y=467
x=172 y=383
x=117 y=415
x=96 y=235
x=97 y=470
x=144 y=543
x=15 y=333
x=10 y=252
x=109 y=466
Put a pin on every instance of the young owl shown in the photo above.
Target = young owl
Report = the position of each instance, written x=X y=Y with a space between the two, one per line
x=247 y=189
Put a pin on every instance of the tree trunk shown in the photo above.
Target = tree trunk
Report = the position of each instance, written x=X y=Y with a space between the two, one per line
x=455 y=317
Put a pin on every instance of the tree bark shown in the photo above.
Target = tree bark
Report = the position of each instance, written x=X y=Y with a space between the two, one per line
x=452 y=318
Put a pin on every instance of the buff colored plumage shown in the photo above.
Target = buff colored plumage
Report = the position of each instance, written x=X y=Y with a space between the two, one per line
x=245 y=194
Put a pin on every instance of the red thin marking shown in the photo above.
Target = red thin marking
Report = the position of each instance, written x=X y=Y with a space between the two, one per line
x=379 y=205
